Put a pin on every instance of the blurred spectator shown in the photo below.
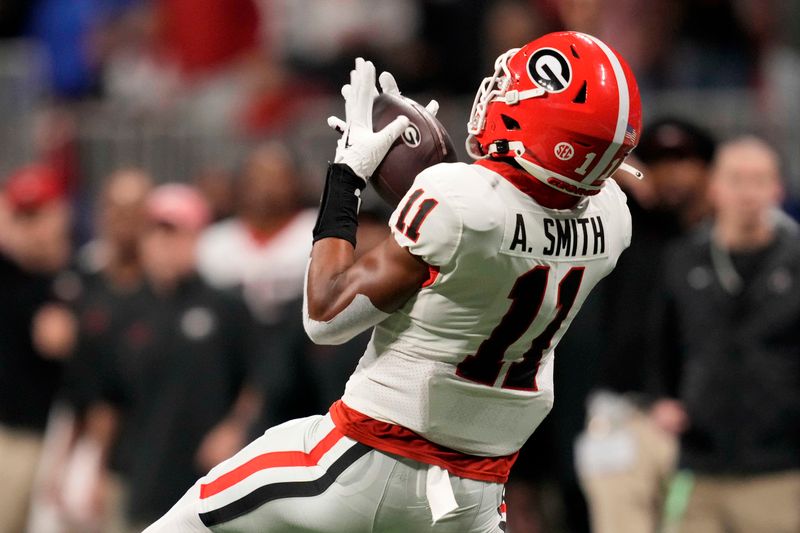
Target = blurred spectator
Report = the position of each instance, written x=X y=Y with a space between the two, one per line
x=624 y=461
x=451 y=31
x=319 y=35
x=671 y=44
x=713 y=50
x=175 y=402
x=670 y=202
x=114 y=253
x=727 y=355
x=34 y=245
x=108 y=273
x=66 y=28
x=643 y=36
x=201 y=57
x=268 y=235
x=202 y=36
x=507 y=24
x=294 y=363
x=216 y=185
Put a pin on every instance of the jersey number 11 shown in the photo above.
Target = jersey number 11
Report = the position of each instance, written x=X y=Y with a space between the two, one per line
x=526 y=296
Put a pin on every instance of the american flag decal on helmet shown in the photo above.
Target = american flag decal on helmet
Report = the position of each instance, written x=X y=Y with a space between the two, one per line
x=630 y=134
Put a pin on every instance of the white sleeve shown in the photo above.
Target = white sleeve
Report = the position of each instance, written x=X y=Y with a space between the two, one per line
x=358 y=316
x=426 y=222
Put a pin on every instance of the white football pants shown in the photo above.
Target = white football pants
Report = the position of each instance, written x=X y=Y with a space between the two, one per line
x=305 y=476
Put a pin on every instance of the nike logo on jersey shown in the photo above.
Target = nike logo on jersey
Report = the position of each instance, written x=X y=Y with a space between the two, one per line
x=538 y=235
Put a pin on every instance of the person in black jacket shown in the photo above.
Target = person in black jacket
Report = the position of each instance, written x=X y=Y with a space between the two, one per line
x=727 y=355
x=623 y=460
x=174 y=397
x=34 y=247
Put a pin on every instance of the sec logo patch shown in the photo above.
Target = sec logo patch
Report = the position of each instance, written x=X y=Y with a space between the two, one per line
x=564 y=151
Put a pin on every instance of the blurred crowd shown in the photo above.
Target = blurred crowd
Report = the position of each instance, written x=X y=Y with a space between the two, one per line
x=138 y=361
x=151 y=323
x=131 y=48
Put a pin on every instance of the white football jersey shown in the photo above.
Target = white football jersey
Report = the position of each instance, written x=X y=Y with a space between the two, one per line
x=270 y=273
x=468 y=361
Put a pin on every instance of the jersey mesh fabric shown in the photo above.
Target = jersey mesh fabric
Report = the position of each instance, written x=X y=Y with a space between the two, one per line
x=485 y=235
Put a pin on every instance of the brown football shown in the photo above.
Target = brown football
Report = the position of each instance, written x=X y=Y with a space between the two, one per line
x=424 y=143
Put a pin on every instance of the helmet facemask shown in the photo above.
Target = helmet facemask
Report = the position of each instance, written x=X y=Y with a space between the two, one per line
x=493 y=89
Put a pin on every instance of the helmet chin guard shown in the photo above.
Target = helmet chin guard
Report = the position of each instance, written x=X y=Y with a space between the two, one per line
x=565 y=107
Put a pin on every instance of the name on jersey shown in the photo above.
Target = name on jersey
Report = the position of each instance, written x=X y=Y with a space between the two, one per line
x=538 y=235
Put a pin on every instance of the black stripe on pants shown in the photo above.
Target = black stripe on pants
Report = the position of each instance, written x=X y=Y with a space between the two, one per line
x=286 y=489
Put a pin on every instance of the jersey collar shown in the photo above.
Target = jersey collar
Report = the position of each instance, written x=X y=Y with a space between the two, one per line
x=542 y=194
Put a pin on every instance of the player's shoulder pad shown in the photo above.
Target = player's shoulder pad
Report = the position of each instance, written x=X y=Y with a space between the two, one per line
x=459 y=205
x=426 y=221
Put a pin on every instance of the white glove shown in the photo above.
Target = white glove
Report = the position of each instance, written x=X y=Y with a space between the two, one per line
x=389 y=86
x=359 y=147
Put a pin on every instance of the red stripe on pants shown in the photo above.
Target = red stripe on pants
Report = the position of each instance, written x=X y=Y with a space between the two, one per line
x=270 y=460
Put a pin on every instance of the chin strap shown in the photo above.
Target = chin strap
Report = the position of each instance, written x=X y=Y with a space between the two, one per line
x=551 y=179
x=548 y=177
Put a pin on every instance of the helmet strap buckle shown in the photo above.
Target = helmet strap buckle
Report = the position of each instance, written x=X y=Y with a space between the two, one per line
x=500 y=147
x=512 y=97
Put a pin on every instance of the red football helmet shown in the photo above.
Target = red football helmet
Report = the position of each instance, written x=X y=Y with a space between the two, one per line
x=566 y=107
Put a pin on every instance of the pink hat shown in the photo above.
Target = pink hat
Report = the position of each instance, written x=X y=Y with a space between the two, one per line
x=178 y=205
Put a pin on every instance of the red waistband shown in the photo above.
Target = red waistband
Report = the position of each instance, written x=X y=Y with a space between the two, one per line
x=398 y=440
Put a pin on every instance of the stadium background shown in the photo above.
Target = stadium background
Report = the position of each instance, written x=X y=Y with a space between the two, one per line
x=186 y=89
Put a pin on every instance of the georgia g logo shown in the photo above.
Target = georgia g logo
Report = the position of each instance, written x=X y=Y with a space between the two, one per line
x=550 y=70
x=411 y=135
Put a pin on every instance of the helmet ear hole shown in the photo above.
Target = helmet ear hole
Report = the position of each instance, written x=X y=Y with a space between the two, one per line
x=510 y=123
x=580 y=98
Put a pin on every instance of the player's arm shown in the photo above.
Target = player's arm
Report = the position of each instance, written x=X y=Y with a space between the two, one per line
x=343 y=296
x=387 y=276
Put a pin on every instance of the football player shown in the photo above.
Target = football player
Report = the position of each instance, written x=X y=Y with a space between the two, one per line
x=485 y=269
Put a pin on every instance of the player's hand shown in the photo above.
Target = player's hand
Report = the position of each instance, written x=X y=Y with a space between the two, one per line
x=360 y=148
x=389 y=86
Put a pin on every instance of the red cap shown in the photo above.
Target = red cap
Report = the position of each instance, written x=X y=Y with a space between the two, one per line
x=178 y=205
x=32 y=187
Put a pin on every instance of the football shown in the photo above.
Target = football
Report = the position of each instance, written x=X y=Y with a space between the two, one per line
x=424 y=143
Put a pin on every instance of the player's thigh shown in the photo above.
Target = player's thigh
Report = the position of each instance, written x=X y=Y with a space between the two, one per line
x=300 y=476
x=347 y=505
